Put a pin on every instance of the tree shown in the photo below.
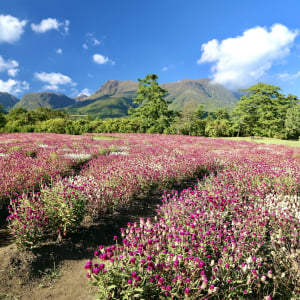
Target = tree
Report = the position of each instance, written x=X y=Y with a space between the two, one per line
x=2 y=118
x=292 y=122
x=221 y=114
x=218 y=128
x=189 y=121
x=57 y=125
x=262 y=111
x=153 y=108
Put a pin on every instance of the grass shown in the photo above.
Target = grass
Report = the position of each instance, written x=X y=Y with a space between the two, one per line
x=100 y=137
x=268 y=141
x=49 y=277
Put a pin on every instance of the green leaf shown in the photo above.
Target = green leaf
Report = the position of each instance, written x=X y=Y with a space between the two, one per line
x=111 y=287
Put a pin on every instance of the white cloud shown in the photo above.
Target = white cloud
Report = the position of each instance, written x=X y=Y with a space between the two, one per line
x=54 y=80
x=90 y=41
x=12 y=86
x=85 y=92
x=11 y=66
x=287 y=76
x=51 y=24
x=243 y=60
x=164 y=69
x=66 y=25
x=11 y=28
x=13 y=72
x=59 y=51
x=52 y=87
x=101 y=59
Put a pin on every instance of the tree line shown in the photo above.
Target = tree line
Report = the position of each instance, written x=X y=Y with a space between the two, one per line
x=262 y=111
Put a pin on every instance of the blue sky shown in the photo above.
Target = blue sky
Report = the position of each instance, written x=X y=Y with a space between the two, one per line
x=74 y=47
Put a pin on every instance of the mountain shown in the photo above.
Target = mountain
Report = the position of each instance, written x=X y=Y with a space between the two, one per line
x=115 y=87
x=189 y=93
x=31 y=101
x=81 y=97
x=7 y=101
x=114 y=98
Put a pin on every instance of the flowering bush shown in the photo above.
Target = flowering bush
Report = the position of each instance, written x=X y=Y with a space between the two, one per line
x=58 y=209
x=107 y=182
x=236 y=236
x=29 y=159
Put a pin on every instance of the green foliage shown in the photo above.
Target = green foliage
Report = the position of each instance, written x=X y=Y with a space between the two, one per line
x=64 y=207
x=56 y=209
x=2 y=118
x=292 y=122
x=218 y=128
x=221 y=114
x=57 y=125
x=153 y=110
x=189 y=122
x=21 y=120
x=262 y=111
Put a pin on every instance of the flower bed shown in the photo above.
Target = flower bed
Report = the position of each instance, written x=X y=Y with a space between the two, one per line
x=236 y=236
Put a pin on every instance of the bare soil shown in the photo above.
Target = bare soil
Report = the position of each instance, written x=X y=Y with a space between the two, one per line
x=56 y=270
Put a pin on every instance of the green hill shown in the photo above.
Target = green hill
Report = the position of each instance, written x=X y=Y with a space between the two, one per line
x=31 y=101
x=114 y=98
x=189 y=93
x=7 y=101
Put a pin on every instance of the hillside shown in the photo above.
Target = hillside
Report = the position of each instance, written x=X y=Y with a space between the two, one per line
x=31 y=101
x=7 y=101
x=189 y=93
x=114 y=98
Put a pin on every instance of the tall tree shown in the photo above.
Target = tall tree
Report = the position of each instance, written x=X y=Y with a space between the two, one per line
x=292 y=122
x=189 y=121
x=2 y=118
x=262 y=111
x=153 y=108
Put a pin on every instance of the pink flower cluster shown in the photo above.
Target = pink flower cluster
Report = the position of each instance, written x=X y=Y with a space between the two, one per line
x=225 y=239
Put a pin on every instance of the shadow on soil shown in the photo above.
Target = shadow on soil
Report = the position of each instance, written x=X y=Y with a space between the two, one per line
x=82 y=244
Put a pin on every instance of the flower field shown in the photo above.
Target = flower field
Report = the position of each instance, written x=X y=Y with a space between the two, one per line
x=233 y=236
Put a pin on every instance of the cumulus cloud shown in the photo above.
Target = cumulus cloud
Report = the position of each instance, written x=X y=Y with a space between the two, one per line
x=11 y=28
x=59 y=51
x=12 y=86
x=85 y=92
x=54 y=80
x=101 y=59
x=51 y=24
x=10 y=66
x=240 y=61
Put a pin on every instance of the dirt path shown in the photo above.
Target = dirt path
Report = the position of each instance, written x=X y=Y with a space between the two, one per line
x=56 y=271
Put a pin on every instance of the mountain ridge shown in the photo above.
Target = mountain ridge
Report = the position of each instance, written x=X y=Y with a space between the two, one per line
x=114 y=98
x=8 y=101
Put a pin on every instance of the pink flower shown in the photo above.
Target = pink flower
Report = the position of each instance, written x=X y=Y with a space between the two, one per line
x=88 y=265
